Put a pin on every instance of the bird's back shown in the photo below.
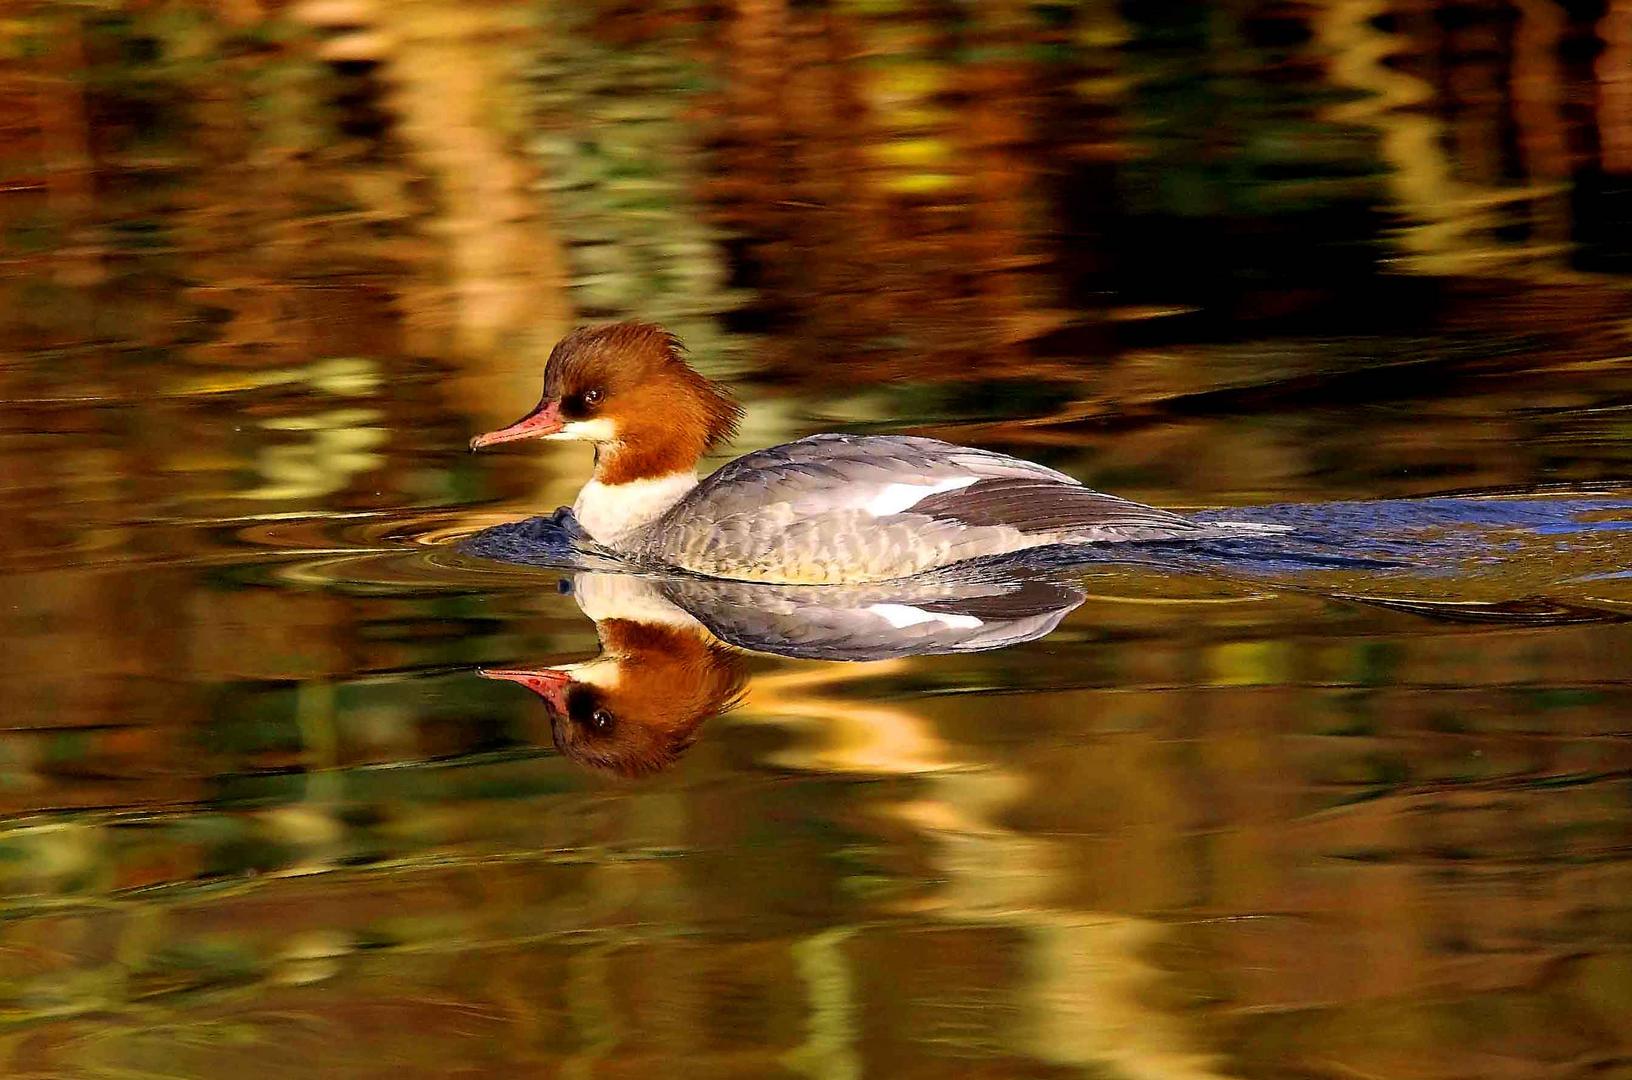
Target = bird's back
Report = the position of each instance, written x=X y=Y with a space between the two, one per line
x=850 y=508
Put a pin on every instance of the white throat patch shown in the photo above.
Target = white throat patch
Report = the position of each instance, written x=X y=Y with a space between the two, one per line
x=603 y=672
x=609 y=512
x=598 y=430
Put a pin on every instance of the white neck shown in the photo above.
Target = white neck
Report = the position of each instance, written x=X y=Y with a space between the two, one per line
x=612 y=512
x=623 y=596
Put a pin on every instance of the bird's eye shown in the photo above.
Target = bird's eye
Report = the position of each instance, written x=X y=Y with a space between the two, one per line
x=593 y=396
x=601 y=721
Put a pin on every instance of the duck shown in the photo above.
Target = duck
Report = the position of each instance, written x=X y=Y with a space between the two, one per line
x=634 y=708
x=673 y=649
x=826 y=509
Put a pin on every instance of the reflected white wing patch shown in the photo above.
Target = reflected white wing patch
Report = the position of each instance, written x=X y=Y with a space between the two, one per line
x=902 y=616
x=894 y=498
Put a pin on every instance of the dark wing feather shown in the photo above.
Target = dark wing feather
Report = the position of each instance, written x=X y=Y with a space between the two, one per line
x=1039 y=506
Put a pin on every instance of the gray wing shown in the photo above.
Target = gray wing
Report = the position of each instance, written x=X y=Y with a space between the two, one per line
x=849 y=508
x=875 y=622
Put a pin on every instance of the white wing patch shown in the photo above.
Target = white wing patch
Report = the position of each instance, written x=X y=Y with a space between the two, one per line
x=902 y=616
x=894 y=498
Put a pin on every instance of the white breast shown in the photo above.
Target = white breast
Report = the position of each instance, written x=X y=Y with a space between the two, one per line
x=609 y=512
x=624 y=596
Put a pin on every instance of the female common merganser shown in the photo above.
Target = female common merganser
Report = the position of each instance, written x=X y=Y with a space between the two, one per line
x=672 y=648
x=826 y=509
x=634 y=708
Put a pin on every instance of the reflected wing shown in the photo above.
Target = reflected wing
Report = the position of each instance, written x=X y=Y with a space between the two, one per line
x=849 y=622
x=847 y=507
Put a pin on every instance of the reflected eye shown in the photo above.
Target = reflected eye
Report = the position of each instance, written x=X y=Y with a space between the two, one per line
x=593 y=397
x=601 y=721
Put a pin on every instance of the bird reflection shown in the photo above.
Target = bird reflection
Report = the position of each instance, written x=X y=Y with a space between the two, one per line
x=672 y=650
x=635 y=708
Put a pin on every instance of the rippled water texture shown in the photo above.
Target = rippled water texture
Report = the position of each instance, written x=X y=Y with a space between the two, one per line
x=1347 y=800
